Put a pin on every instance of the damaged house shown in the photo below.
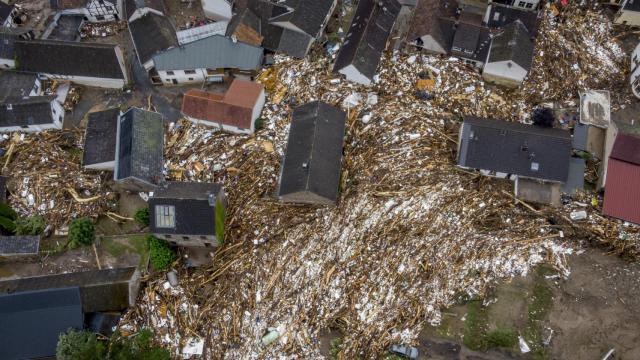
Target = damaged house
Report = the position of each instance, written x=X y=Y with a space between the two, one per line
x=151 y=34
x=206 y=60
x=7 y=47
x=536 y=158
x=311 y=168
x=289 y=27
x=366 y=40
x=100 y=138
x=139 y=150
x=235 y=111
x=188 y=213
x=510 y=56
x=91 y=10
x=90 y=64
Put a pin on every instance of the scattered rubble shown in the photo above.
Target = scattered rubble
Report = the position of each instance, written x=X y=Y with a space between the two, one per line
x=103 y=29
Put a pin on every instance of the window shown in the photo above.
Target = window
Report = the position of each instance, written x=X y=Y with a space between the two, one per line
x=202 y=237
x=522 y=4
x=167 y=236
x=99 y=17
x=191 y=79
x=185 y=238
x=529 y=5
x=165 y=216
x=535 y=166
x=169 y=72
x=207 y=244
x=173 y=243
x=189 y=71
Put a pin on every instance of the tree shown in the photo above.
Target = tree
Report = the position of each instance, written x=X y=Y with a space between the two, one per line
x=81 y=232
x=543 y=117
x=160 y=254
x=138 y=346
x=79 y=345
x=142 y=216
x=7 y=218
x=32 y=225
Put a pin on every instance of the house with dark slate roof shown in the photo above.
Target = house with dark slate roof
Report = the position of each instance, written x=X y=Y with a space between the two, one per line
x=90 y=64
x=100 y=139
x=510 y=56
x=32 y=321
x=151 y=34
x=7 y=14
x=139 y=150
x=188 y=213
x=366 y=40
x=536 y=158
x=206 y=60
x=311 y=168
x=7 y=49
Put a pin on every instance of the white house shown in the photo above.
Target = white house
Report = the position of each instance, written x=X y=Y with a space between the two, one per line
x=206 y=60
x=218 y=10
x=236 y=111
x=90 y=64
x=629 y=13
x=31 y=114
x=510 y=56
x=104 y=10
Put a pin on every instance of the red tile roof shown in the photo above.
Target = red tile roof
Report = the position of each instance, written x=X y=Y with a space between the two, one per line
x=234 y=108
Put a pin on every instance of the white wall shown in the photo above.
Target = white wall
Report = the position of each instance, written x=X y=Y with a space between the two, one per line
x=257 y=110
x=353 y=74
x=105 y=166
x=7 y=63
x=635 y=58
x=90 y=81
x=227 y=128
x=533 y=4
x=218 y=10
x=181 y=77
x=628 y=17
x=503 y=74
x=635 y=87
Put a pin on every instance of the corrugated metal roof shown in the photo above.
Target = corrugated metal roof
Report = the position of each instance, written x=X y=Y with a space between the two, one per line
x=626 y=148
x=200 y=32
x=622 y=191
x=213 y=52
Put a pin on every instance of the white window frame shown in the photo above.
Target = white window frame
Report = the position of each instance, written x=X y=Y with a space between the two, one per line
x=165 y=216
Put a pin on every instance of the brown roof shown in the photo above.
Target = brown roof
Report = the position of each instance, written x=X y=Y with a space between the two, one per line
x=426 y=14
x=626 y=148
x=234 y=108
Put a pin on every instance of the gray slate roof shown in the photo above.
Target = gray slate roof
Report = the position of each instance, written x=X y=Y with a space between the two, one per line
x=20 y=244
x=632 y=5
x=68 y=58
x=294 y=43
x=513 y=44
x=313 y=157
x=100 y=137
x=194 y=212
x=34 y=110
x=501 y=15
x=32 y=321
x=367 y=36
x=307 y=15
x=515 y=148
x=152 y=34
x=7 y=38
x=141 y=146
x=100 y=290
x=15 y=84
x=5 y=10
x=212 y=52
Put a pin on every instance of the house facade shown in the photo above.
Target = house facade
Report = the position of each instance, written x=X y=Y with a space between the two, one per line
x=236 y=111
x=188 y=214
x=510 y=56
x=104 y=10
x=206 y=60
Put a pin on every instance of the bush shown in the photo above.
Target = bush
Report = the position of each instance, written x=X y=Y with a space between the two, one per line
x=138 y=346
x=7 y=218
x=220 y=214
x=502 y=338
x=81 y=232
x=160 y=254
x=142 y=216
x=33 y=225
x=79 y=345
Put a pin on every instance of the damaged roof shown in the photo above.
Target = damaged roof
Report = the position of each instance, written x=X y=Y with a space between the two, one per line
x=514 y=43
x=500 y=16
x=152 y=34
x=212 y=52
x=100 y=137
x=35 y=110
x=15 y=84
x=194 y=207
x=69 y=58
x=140 y=148
x=32 y=321
x=307 y=15
x=367 y=36
x=515 y=148
x=427 y=18
x=313 y=158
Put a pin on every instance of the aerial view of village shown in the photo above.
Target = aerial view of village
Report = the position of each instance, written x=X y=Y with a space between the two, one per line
x=320 y=179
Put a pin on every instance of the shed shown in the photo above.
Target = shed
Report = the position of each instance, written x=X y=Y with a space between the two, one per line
x=311 y=168
x=19 y=245
x=32 y=321
x=622 y=187
x=100 y=140
x=139 y=150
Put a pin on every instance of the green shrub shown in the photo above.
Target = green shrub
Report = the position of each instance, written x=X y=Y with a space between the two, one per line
x=502 y=338
x=160 y=254
x=138 y=346
x=32 y=225
x=335 y=346
x=81 y=232
x=142 y=216
x=220 y=214
x=79 y=345
x=7 y=218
